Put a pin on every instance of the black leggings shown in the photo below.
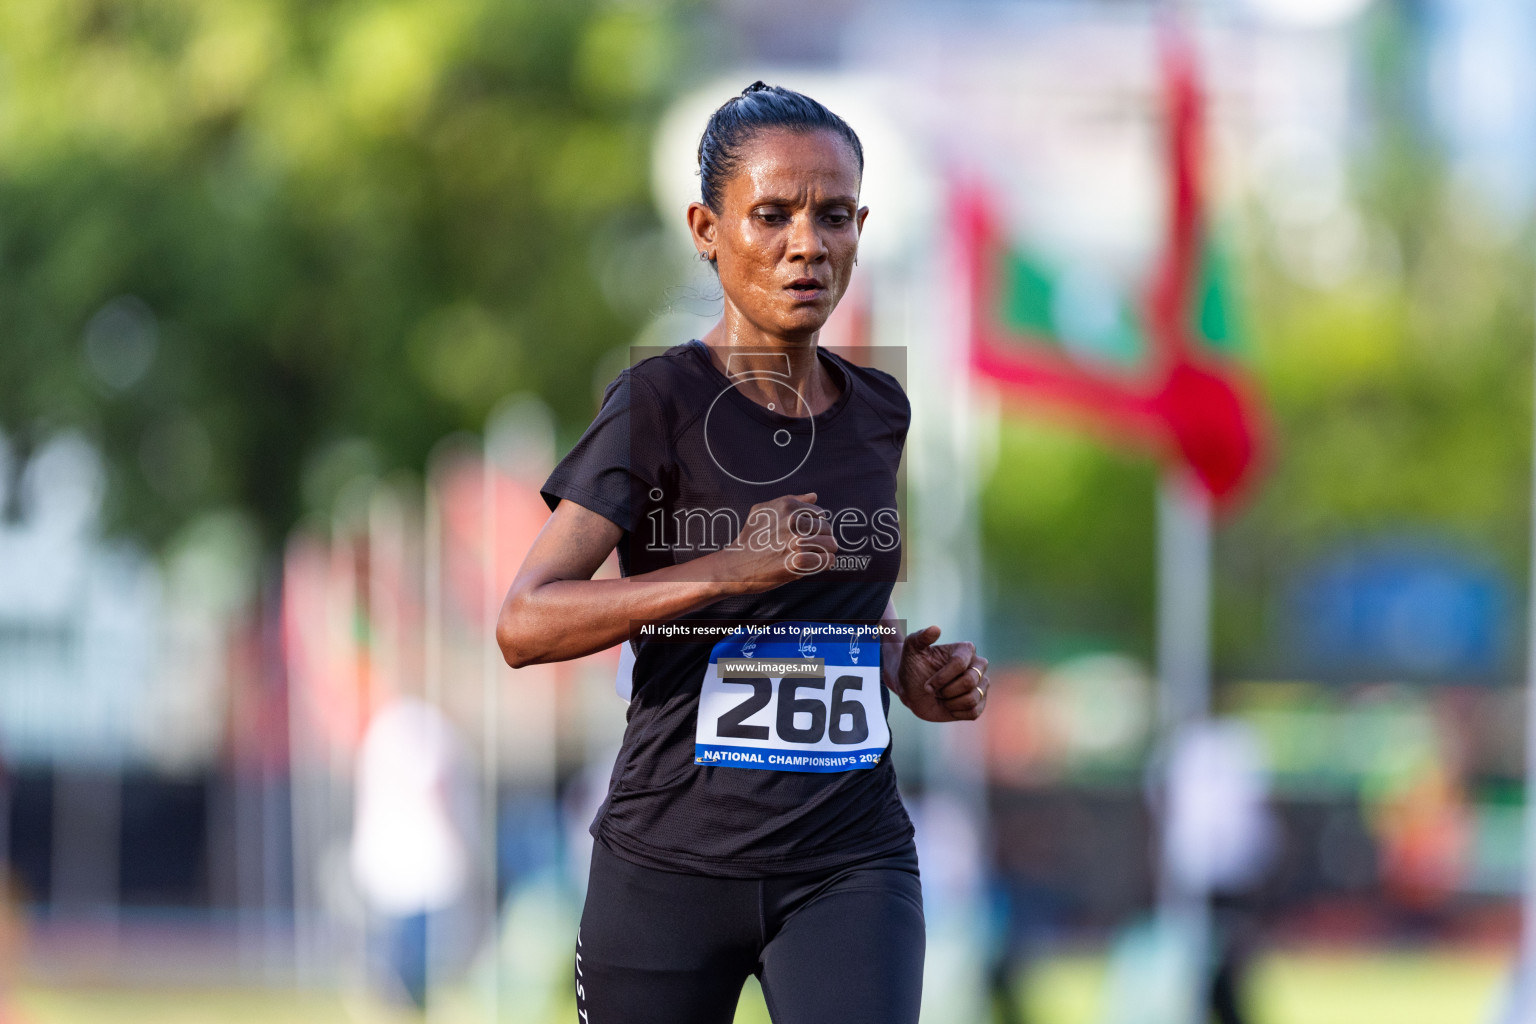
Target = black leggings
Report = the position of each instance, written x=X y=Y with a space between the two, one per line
x=843 y=946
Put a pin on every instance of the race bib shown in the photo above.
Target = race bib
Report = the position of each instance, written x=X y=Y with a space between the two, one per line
x=793 y=697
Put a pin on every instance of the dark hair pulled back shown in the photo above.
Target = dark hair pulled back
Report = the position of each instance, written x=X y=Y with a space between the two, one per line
x=759 y=108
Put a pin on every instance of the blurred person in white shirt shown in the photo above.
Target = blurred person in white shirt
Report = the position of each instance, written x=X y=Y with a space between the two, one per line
x=410 y=853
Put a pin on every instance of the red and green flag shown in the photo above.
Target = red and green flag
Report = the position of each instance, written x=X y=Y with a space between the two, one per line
x=1159 y=371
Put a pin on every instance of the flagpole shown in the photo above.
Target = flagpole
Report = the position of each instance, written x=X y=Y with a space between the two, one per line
x=1183 y=634
x=1524 y=987
x=491 y=669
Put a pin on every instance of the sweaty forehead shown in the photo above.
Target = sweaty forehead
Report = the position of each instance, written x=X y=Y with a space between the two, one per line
x=785 y=164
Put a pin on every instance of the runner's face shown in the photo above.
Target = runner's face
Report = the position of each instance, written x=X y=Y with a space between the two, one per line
x=788 y=230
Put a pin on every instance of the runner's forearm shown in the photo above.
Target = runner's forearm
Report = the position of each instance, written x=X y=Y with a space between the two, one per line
x=563 y=619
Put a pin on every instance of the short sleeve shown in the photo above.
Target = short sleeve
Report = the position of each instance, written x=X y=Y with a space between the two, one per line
x=608 y=469
x=888 y=400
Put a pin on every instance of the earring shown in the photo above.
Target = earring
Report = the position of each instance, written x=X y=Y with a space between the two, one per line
x=703 y=256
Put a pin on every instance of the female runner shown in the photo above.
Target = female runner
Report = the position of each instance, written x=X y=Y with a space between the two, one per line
x=748 y=480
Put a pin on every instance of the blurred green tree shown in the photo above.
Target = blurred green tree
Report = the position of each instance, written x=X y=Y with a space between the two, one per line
x=249 y=244
x=1402 y=385
x=1393 y=341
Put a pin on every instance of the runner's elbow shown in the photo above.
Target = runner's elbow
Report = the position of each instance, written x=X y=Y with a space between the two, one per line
x=511 y=652
x=514 y=633
x=515 y=651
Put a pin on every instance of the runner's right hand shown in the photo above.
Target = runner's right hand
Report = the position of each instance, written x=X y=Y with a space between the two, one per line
x=785 y=539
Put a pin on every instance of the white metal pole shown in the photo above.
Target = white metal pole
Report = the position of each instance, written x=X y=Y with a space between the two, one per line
x=491 y=667
x=312 y=955
x=1183 y=600
x=1184 y=690
x=1522 y=1007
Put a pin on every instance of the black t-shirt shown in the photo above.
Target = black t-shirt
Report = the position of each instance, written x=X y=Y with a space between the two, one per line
x=676 y=457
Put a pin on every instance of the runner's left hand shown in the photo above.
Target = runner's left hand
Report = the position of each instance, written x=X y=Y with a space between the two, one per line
x=942 y=682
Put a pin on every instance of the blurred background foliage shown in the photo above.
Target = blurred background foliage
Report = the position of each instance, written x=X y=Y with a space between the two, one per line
x=1401 y=392
x=1396 y=366
x=253 y=247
